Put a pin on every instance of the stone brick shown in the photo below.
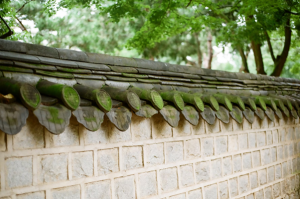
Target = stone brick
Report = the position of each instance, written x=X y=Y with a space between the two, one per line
x=259 y=194
x=193 y=149
x=154 y=154
x=264 y=123
x=100 y=136
x=141 y=128
x=216 y=167
x=125 y=187
x=233 y=143
x=276 y=190
x=199 y=129
x=290 y=133
x=70 y=137
x=278 y=174
x=274 y=154
x=289 y=167
x=202 y=170
x=147 y=184
x=32 y=135
x=208 y=146
x=275 y=136
x=286 y=151
x=195 y=194
x=18 y=172
x=82 y=164
x=256 y=123
x=227 y=168
x=268 y=193
x=261 y=139
x=183 y=128
x=132 y=157
x=223 y=190
x=266 y=156
x=246 y=125
x=252 y=140
x=100 y=189
x=53 y=168
x=211 y=191
x=233 y=187
x=187 y=175
x=160 y=128
x=243 y=183
x=269 y=137
x=297 y=132
x=282 y=135
x=236 y=126
x=253 y=180
x=295 y=165
x=284 y=169
x=108 y=161
x=33 y=195
x=271 y=174
x=262 y=175
x=72 y=192
x=2 y=141
x=250 y=196
x=247 y=161
x=243 y=141
x=115 y=135
x=221 y=145
x=237 y=163
x=256 y=159
x=213 y=128
x=168 y=179
x=291 y=149
x=174 y=151
x=226 y=127
x=279 y=153
x=179 y=196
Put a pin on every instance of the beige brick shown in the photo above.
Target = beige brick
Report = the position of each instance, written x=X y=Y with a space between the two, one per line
x=33 y=195
x=223 y=190
x=243 y=141
x=264 y=123
x=227 y=166
x=208 y=146
x=226 y=127
x=195 y=194
x=216 y=168
x=199 y=129
x=132 y=157
x=261 y=139
x=108 y=161
x=268 y=193
x=221 y=145
x=53 y=168
x=160 y=128
x=70 y=137
x=100 y=136
x=179 y=196
x=31 y=136
x=147 y=184
x=72 y=192
x=262 y=176
x=269 y=137
x=247 y=161
x=237 y=163
x=252 y=140
x=192 y=148
x=279 y=153
x=141 y=128
x=174 y=151
x=154 y=154
x=274 y=154
x=256 y=123
x=281 y=135
x=233 y=143
x=183 y=128
x=18 y=172
x=187 y=175
x=2 y=141
x=100 y=189
x=250 y=196
x=211 y=191
x=246 y=125
x=168 y=179
x=276 y=190
x=213 y=128
x=116 y=135
x=202 y=171
x=243 y=183
x=125 y=187
x=275 y=136
x=233 y=187
x=236 y=126
x=253 y=180
x=82 y=164
x=259 y=194
x=278 y=172
x=266 y=156
x=5 y=197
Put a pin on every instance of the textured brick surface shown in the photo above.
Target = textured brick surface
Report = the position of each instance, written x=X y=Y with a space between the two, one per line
x=223 y=190
x=202 y=170
x=147 y=184
x=168 y=179
x=195 y=194
x=83 y=164
x=108 y=161
x=154 y=154
x=141 y=128
x=208 y=146
x=97 y=137
x=193 y=149
x=72 y=192
x=174 y=152
x=99 y=189
x=132 y=157
x=2 y=141
x=211 y=192
x=221 y=145
x=33 y=195
x=187 y=175
x=216 y=168
x=125 y=187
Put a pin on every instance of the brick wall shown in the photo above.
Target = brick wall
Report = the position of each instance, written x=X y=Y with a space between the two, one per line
x=153 y=160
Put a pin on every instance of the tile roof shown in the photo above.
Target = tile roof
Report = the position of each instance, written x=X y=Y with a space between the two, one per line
x=56 y=83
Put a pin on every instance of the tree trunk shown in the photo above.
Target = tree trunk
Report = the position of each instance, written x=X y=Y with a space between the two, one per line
x=210 y=50
x=281 y=59
x=258 y=58
x=244 y=57
x=199 y=52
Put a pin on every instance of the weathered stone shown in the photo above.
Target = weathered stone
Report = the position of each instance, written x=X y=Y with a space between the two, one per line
x=174 y=152
x=192 y=148
x=250 y=196
x=243 y=183
x=237 y=163
x=33 y=195
x=252 y=140
x=256 y=159
x=195 y=194
x=233 y=143
x=154 y=154
x=278 y=172
x=2 y=141
x=269 y=137
x=274 y=154
x=132 y=157
x=141 y=128
x=99 y=189
x=247 y=161
x=275 y=136
x=286 y=151
x=268 y=193
x=233 y=187
x=282 y=135
x=18 y=172
x=266 y=156
x=243 y=141
x=160 y=128
x=183 y=128
x=208 y=146
x=236 y=126
x=280 y=153
x=72 y=192
x=216 y=167
x=227 y=168
x=147 y=184
x=262 y=176
x=108 y=161
x=187 y=175
x=259 y=194
x=276 y=190
x=223 y=190
x=221 y=145
x=284 y=169
x=199 y=129
x=289 y=133
x=211 y=191
x=168 y=179
x=100 y=136
x=261 y=139
x=82 y=164
x=125 y=188
x=253 y=180
x=115 y=135
x=179 y=196
x=291 y=149
x=213 y=128
x=202 y=171
x=53 y=168
x=271 y=174
x=226 y=127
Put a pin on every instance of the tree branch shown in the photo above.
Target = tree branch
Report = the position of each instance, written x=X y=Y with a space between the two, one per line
x=9 y=33
x=270 y=46
x=293 y=13
x=23 y=6
x=189 y=3
x=22 y=26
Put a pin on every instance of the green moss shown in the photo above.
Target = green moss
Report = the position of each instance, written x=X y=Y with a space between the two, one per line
x=104 y=100
x=199 y=103
x=289 y=105
x=228 y=104
x=262 y=103
x=273 y=104
x=281 y=105
x=54 y=114
x=252 y=104
x=134 y=100
x=214 y=103
x=241 y=103
x=156 y=99
x=90 y=119
x=178 y=101
x=286 y=112
x=71 y=97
